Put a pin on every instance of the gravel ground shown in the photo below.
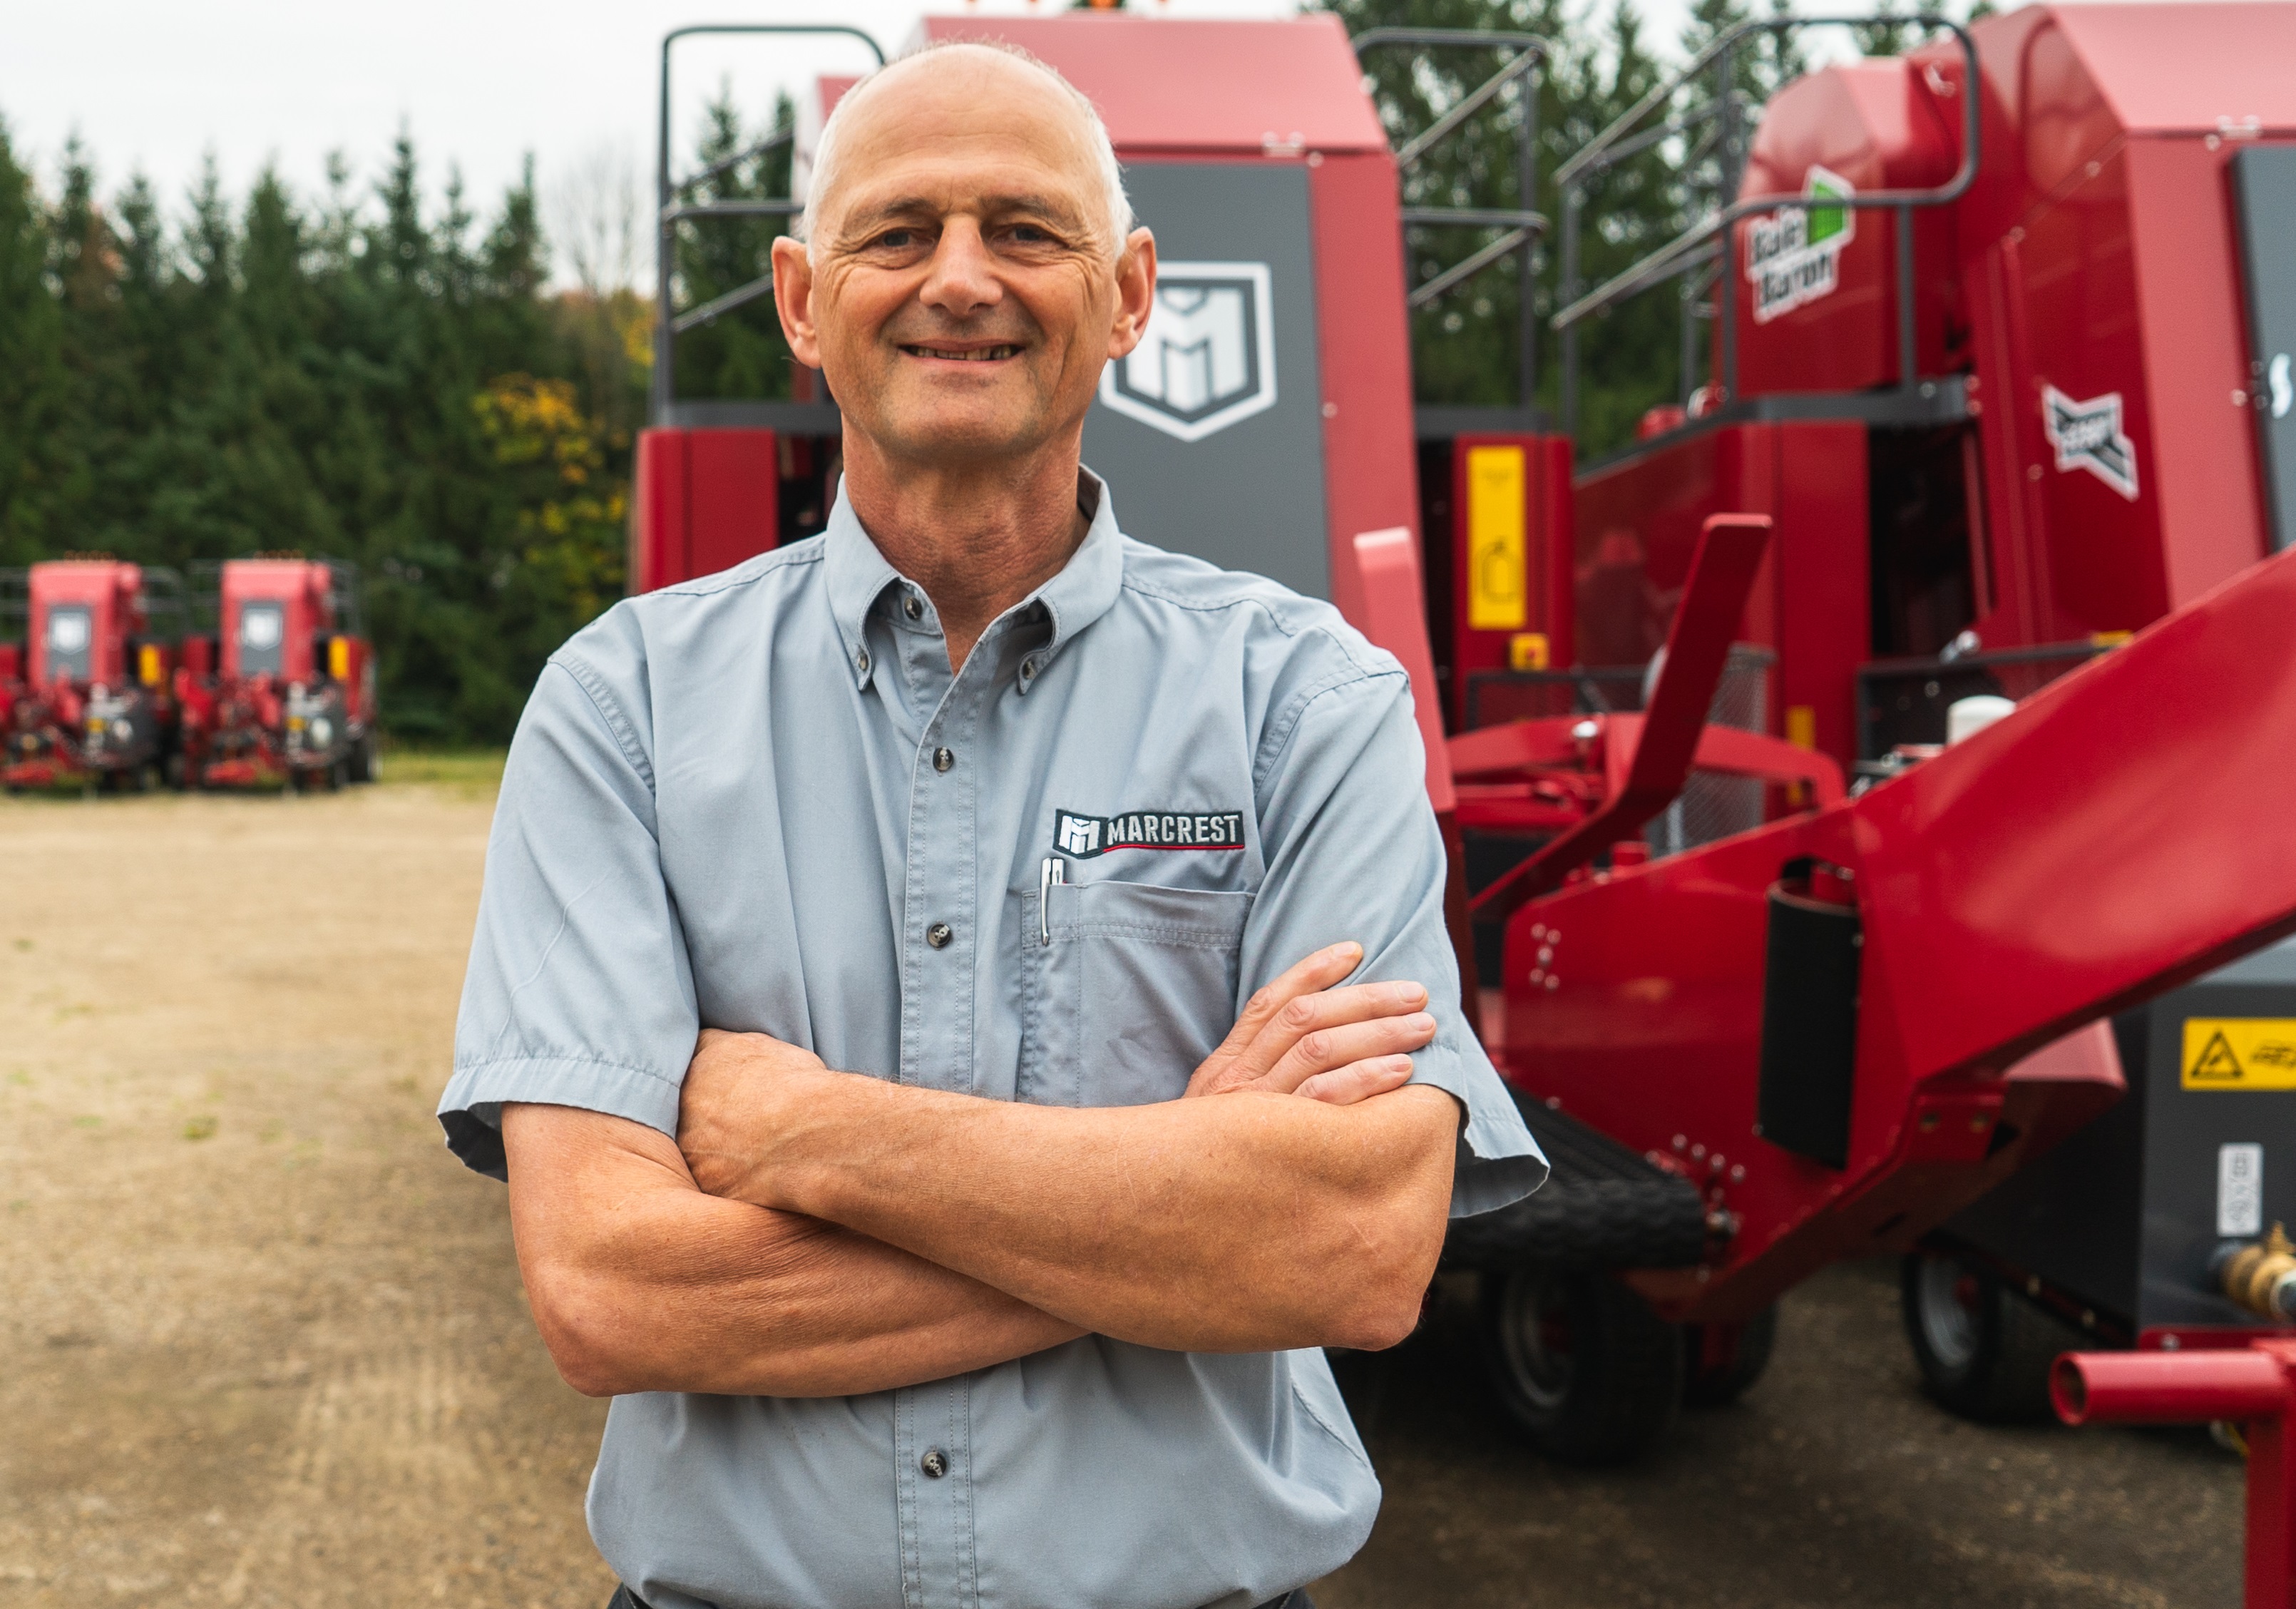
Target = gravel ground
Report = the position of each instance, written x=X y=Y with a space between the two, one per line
x=266 y=1345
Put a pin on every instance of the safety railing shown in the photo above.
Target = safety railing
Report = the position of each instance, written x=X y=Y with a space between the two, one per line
x=1524 y=226
x=671 y=211
x=1710 y=242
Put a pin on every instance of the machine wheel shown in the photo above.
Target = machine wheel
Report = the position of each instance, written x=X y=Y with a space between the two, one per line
x=1722 y=1362
x=363 y=760
x=1983 y=1349
x=1583 y=1366
x=338 y=774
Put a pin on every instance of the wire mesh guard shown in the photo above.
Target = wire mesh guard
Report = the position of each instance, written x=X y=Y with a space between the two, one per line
x=1715 y=807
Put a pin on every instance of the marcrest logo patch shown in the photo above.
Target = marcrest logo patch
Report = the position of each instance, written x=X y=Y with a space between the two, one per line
x=1085 y=836
x=2087 y=435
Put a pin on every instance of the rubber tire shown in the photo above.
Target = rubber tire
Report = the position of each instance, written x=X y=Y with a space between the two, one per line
x=1595 y=1379
x=1987 y=1357
x=1708 y=1385
x=363 y=760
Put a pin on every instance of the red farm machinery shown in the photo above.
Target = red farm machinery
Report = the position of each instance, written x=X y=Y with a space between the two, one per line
x=285 y=692
x=86 y=697
x=1865 y=790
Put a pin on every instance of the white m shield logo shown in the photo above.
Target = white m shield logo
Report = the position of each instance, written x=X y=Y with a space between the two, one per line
x=1207 y=357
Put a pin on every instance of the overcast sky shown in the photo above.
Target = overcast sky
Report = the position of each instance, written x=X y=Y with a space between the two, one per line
x=481 y=84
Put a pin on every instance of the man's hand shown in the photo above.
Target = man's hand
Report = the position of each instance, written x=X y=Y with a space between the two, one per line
x=1300 y=1036
x=718 y=1106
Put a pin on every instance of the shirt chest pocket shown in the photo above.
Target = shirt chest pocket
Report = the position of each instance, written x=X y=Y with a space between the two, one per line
x=1127 y=986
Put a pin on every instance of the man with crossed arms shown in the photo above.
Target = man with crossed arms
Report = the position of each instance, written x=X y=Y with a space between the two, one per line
x=853 y=1008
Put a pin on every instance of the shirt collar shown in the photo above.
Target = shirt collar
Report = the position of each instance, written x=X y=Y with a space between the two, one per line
x=857 y=575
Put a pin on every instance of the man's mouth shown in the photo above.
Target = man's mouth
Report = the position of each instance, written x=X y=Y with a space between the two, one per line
x=960 y=354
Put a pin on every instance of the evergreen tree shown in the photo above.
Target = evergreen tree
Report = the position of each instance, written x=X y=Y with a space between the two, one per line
x=365 y=381
x=742 y=353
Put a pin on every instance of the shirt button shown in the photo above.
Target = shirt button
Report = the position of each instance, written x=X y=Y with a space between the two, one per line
x=935 y=1463
x=912 y=608
x=939 y=935
x=1027 y=670
x=943 y=760
x=861 y=661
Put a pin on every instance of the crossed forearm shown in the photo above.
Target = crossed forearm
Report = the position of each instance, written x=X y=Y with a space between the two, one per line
x=813 y=1233
x=660 y=1287
x=1244 y=1222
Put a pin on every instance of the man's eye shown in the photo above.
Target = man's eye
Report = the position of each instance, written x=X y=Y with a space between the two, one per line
x=898 y=238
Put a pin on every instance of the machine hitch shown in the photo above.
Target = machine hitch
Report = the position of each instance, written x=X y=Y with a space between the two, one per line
x=2253 y=1387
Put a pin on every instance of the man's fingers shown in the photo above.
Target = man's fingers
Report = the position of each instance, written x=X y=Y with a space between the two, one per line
x=1317 y=1013
x=1327 y=1049
x=1357 y=1080
x=1319 y=971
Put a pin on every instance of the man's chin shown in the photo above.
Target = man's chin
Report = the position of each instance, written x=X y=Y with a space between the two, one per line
x=950 y=435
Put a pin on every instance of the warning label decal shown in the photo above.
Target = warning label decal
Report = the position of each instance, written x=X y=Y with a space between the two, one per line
x=2240 y=1053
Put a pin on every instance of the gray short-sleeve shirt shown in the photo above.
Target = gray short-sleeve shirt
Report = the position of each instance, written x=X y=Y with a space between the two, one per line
x=761 y=801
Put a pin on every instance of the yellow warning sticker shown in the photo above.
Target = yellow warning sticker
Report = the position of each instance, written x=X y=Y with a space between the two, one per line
x=2240 y=1053
x=1498 y=596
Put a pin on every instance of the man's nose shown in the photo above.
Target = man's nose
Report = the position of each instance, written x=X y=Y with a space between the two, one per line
x=963 y=279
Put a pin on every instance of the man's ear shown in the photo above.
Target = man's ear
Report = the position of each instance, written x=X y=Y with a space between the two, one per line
x=794 y=299
x=1136 y=293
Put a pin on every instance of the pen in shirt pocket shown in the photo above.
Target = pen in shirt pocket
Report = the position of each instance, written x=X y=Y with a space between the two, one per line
x=1055 y=871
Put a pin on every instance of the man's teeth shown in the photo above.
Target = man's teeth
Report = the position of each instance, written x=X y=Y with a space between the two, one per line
x=980 y=355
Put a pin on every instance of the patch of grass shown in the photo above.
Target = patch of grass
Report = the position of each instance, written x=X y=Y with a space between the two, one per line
x=470 y=772
x=88 y=1122
x=199 y=1128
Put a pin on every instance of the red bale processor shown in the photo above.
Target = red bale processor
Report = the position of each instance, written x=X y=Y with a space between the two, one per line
x=1984 y=432
x=86 y=701
x=290 y=700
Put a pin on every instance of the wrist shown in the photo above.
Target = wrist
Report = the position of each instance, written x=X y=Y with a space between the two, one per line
x=800 y=1129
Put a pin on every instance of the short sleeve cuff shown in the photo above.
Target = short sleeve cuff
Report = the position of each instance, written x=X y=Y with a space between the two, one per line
x=1499 y=1162
x=470 y=1110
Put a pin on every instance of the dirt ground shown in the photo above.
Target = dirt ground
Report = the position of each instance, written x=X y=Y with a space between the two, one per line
x=266 y=1345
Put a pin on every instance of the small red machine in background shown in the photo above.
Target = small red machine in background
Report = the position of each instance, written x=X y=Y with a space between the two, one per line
x=284 y=692
x=88 y=701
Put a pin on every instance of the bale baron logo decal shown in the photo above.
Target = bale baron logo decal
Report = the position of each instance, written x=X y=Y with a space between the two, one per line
x=2087 y=435
x=1207 y=357
x=1794 y=255
x=1085 y=836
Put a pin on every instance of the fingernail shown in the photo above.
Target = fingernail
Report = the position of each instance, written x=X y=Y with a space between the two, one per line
x=1409 y=994
x=1349 y=948
x=1423 y=1023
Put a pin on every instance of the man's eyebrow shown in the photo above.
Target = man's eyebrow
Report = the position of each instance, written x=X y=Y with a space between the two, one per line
x=862 y=220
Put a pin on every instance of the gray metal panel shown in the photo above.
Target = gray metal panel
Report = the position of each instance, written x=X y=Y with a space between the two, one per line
x=2183 y=1130
x=1250 y=495
x=2264 y=178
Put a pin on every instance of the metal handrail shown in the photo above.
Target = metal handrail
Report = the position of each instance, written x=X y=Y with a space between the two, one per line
x=1684 y=251
x=669 y=211
x=1524 y=227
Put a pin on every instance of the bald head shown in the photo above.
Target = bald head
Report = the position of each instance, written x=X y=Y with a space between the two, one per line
x=960 y=88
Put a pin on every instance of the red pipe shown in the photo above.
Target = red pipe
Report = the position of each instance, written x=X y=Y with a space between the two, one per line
x=2168 y=1388
x=2255 y=1385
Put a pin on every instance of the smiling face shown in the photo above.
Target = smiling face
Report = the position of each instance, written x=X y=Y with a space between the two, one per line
x=962 y=291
